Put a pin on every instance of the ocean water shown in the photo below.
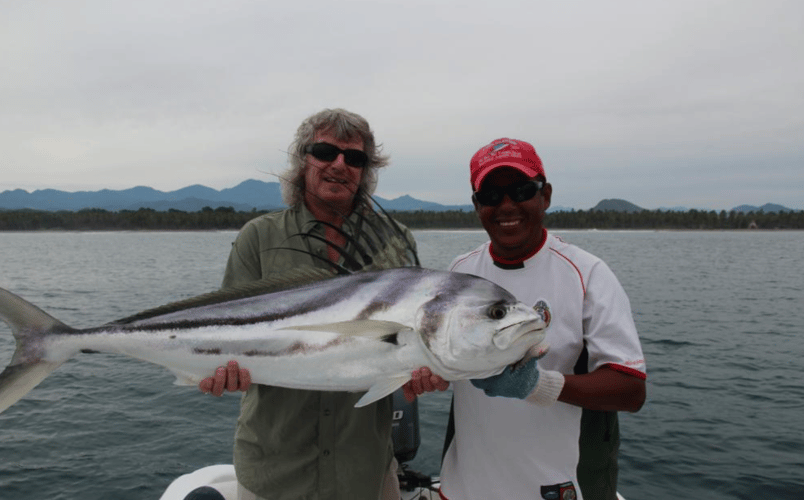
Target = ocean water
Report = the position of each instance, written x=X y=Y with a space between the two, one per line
x=720 y=314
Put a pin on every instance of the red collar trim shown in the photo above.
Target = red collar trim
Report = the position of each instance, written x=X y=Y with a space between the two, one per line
x=516 y=263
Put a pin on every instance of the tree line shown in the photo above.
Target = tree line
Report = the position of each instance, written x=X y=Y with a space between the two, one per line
x=93 y=219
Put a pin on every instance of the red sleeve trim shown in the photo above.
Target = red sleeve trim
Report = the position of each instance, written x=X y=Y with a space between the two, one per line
x=628 y=371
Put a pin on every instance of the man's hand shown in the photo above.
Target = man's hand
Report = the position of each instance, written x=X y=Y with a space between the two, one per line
x=423 y=381
x=230 y=377
x=513 y=382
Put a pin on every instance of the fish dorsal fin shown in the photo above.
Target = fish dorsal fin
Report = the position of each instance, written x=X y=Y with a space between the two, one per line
x=375 y=240
x=293 y=278
x=369 y=328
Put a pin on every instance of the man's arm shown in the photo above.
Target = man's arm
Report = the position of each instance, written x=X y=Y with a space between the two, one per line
x=243 y=265
x=605 y=389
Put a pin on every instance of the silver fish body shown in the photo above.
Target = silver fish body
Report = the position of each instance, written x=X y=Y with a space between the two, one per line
x=362 y=332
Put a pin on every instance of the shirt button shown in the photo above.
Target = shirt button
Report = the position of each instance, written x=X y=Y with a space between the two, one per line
x=326 y=413
x=326 y=453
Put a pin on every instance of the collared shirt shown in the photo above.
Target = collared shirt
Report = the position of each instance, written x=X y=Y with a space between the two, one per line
x=508 y=448
x=295 y=444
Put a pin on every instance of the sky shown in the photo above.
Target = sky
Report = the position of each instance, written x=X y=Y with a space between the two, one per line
x=689 y=103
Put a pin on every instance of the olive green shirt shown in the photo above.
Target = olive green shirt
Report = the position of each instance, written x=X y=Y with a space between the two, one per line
x=296 y=444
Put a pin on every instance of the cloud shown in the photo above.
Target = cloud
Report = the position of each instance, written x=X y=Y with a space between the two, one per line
x=662 y=103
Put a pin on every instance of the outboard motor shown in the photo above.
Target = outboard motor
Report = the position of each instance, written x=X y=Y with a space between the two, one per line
x=405 y=428
x=405 y=434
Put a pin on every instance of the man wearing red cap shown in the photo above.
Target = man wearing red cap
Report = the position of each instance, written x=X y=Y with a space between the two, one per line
x=517 y=434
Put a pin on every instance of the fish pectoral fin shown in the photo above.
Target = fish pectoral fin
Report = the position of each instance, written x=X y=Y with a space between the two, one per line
x=370 y=328
x=382 y=389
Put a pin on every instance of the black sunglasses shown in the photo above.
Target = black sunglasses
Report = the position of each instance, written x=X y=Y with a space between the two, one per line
x=518 y=192
x=325 y=151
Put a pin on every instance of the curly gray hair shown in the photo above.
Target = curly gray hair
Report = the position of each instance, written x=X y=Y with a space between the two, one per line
x=345 y=126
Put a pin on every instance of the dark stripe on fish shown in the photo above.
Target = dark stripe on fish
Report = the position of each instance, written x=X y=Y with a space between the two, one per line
x=295 y=348
x=214 y=351
x=390 y=296
x=321 y=301
x=435 y=308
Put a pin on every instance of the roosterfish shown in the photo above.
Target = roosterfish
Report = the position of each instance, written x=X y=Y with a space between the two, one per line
x=314 y=328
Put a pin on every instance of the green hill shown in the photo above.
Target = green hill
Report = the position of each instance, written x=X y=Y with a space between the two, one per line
x=615 y=205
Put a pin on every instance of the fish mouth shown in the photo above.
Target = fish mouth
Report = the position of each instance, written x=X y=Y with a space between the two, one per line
x=537 y=350
x=503 y=339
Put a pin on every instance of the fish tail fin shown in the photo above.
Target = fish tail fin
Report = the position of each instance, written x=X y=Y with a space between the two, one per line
x=16 y=381
x=29 y=324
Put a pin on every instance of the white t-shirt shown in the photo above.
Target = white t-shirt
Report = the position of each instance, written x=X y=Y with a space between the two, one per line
x=509 y=448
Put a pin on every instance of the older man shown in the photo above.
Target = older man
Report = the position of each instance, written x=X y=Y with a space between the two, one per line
x=296 y=444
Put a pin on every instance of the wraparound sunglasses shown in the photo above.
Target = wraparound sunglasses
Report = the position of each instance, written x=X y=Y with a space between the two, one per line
x=518 y=192
x=325 y=151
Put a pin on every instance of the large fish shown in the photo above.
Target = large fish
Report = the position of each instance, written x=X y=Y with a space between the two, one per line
x=361 y=332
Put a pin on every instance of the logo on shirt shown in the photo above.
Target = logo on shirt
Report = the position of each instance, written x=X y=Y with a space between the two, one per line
x=543 y=310
x=564 y=491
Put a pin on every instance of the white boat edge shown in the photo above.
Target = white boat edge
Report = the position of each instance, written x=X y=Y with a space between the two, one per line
x=222 y=478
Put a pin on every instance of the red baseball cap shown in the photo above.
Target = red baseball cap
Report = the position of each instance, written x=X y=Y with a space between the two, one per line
x=504 y=153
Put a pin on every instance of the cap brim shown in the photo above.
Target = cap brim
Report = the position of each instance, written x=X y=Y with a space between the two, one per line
x=530 y=172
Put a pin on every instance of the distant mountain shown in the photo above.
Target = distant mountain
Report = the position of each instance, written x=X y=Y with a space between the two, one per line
x=615 y=205
x=51 y=199
x=248 y=195
x=767 y=207
x=258 y=194
x=409 y=204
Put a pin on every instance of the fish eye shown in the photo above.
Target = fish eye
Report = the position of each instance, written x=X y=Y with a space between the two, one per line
x=497 y=311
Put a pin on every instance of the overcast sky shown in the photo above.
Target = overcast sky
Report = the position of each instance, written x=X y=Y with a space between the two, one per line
x=694 y=103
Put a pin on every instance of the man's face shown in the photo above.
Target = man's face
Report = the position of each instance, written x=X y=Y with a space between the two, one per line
x=515 y=229
x=331 y=185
